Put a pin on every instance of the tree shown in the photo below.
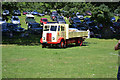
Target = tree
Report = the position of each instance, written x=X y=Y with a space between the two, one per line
x=102 y=15
x=117 y=11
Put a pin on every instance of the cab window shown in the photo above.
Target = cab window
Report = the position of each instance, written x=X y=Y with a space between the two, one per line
x=58 y=28
x=46 y=28
x=62 y=28
x=53 y=28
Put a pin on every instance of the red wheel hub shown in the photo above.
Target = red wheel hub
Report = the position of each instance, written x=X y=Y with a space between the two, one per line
x=81 y=43
x=62 y=44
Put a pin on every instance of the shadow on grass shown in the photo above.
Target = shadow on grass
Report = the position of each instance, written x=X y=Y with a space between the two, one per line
x=33 y=40
x=68 y=46
x=29 y=40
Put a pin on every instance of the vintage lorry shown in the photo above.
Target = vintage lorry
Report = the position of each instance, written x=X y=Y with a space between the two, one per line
x=62 y=35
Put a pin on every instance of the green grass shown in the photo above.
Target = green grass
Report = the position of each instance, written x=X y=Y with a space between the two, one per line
x=95 y=60
x=20 y=60
x=116 y=17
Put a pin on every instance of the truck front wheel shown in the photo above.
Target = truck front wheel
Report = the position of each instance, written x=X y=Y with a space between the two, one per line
x=62 y=44
x=43 y=46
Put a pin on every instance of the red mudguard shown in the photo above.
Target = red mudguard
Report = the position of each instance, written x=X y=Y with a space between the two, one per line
x=58 y=41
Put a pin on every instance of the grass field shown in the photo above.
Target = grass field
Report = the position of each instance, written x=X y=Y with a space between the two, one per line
x=24 y=58
x=95 y=59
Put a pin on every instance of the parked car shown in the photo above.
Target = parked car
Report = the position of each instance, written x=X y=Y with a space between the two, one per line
x=118 y=20
x=34 y=12
x=9 y=29
x=54 y=17
x=15 y=20
x=28 y=12
x=35 y=28
x=16 y=28
x=79 y=26
x=75 y=20
x=116 y=25
x=116 y=14
x=29 y=19
x=93 y=27
x=6 y=13
x=52 y=23
x=81 y=17
x=45 y=12
x=5 y=29
x=24 y=12
x=54 y=12
x=2 y=21
x=61 y=20
x=16 y=13
x=87 y=21
x=43 y=21
x=64 y=13
x=40 y=14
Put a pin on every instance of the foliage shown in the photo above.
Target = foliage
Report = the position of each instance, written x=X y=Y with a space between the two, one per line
x=102 y=15
x=117 y=11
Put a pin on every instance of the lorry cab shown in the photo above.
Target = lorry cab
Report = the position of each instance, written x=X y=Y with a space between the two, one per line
x=52 y=32
x=30 y=19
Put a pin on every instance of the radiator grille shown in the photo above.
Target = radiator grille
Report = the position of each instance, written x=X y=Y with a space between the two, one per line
x=49 y=37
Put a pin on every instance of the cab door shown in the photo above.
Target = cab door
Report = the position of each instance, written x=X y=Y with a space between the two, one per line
x=61 y=31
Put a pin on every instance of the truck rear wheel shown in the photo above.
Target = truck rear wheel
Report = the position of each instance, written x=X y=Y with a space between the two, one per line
x=80 y=43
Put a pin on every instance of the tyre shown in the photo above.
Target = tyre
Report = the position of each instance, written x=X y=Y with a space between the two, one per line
x=62 y=44
x=43 y=46
x=79 y=42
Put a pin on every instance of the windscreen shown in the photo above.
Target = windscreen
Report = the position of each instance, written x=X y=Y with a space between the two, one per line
x=45 y=20
x=15 y=19
x=5 y=11
x=53 y=28
x=79 y=14
x=60 y=19
x=54 y=14
x=75 y=18
x=30 y=17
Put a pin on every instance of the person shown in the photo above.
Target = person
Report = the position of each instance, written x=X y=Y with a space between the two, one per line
x=117 y=47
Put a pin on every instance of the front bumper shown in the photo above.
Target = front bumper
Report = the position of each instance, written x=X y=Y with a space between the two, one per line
x=41 y=41
x=50 y=43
